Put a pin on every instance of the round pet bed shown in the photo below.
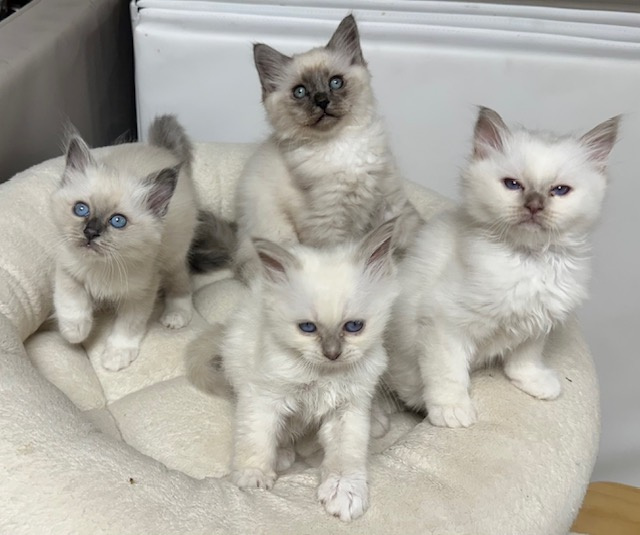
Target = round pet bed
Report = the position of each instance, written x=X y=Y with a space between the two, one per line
x=85 y=450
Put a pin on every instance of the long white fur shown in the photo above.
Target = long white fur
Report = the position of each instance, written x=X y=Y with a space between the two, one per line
x=481 y=284
x=286 y=386
x=147 y=254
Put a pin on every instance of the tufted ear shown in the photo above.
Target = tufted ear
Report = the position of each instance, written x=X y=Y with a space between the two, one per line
x=162 y=185
x=78 y=156
x=489 y=133
x=346 y=39
x=601 y=139
x=270 y=63
x=376 y=248
x=276 y=260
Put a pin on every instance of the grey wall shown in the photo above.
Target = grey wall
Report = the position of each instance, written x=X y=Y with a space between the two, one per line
x=59 y=60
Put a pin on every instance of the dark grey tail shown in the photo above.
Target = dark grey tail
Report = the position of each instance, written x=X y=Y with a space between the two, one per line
x=214 y=244
x=166 y=132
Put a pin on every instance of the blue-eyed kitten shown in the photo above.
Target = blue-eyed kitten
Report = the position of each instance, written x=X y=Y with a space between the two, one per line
x=126 y=220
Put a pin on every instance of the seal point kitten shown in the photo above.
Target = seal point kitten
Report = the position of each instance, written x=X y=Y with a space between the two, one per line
x=326 y=175
x=490 y=278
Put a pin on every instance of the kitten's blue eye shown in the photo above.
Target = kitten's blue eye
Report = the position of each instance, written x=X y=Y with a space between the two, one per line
x=512 y=184
x=560 y=190
x=354 y=326
x=81 y=209
x=336 y=82
x=299 y=91
x=307 y=327
x=117 y=221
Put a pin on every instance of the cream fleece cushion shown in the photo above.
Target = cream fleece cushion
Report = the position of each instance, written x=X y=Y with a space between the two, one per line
x=84 y=450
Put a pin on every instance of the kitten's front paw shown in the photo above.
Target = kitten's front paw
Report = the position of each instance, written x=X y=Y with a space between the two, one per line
x=461 y=414
x=176 y=319
x=115 y=358
x=75 y=331
x=253 y=478
x=542 y=383
x=346 y=497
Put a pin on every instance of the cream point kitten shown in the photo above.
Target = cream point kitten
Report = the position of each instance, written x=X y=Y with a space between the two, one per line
x=492 y=277
x=326 y=175
x=126 y=220
x=304 y=351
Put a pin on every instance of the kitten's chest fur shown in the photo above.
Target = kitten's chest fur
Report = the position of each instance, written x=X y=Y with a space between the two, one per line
x=342 y=184
x=517 y=295
x=111 y=283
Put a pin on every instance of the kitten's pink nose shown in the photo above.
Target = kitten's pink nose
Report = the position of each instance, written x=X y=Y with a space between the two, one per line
x=534 y=203
x=332 y=355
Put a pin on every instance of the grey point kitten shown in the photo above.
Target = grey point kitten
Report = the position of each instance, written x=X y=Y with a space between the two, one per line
x=304 y=351
x=492 y=277
x=326 y=174
x=125 y=220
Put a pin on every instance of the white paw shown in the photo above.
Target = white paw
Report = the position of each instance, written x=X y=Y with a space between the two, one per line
x=176 y=319
x=461 y=414
x=346 y=497
x=253 y=478
x=115 y=358
x=75 y=331
x=286 y=457
x=541 y=384
x=380 y=424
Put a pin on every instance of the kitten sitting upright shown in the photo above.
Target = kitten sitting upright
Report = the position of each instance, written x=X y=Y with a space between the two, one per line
x=304 y=351
x=126 y=220
x=492 y=277
x=326 y=174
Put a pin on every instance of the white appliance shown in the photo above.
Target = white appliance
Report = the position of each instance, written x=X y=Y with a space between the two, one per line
x=432 y=63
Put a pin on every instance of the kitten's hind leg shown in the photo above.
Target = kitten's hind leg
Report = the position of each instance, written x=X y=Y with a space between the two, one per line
x=129 y=328
x=444 y=366
x=526 y=369
x=178 y=301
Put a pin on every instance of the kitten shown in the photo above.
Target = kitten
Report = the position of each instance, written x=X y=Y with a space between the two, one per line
x=326 y=174
x=492 y=277
x=126 y=220
x=303 y=352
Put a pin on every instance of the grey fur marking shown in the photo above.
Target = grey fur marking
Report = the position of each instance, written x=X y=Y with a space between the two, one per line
x=214 y=243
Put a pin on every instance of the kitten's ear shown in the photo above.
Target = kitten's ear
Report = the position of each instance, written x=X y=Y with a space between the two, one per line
x=162 y=185
x=78 y=155
x=346 y=39
x=270 y=64
x=600 y=140
x=376 y=248
x=276 y=261
x=489 y=133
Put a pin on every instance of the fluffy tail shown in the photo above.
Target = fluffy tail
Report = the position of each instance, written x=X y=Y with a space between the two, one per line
x=166 y=132
x=214 y=243
x=203 y=361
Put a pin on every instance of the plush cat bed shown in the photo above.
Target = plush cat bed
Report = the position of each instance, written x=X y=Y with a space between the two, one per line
x=85 y=450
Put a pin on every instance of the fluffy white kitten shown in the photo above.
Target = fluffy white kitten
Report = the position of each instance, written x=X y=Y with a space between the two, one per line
x=126 y=222
x=304 y=351
x=326 y=174
x=492 y=277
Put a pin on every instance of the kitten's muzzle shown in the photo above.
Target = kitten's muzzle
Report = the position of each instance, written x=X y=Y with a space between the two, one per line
x=92 y=229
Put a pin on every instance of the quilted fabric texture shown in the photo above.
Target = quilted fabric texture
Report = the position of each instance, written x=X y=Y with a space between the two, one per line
x=84 y=450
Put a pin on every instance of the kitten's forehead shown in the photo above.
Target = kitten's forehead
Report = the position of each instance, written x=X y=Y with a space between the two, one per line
x=318 y=60
x=545 y=160
x=104 y=188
